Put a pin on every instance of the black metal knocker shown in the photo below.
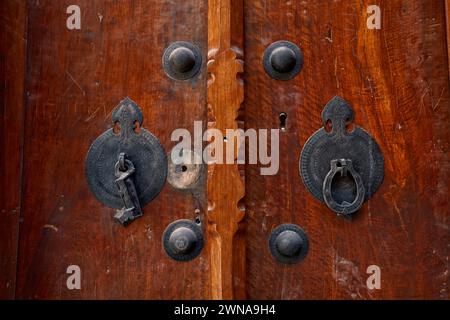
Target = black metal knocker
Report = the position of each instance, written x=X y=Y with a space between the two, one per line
x=343 y=166
x=126 y=169
x=345 y=169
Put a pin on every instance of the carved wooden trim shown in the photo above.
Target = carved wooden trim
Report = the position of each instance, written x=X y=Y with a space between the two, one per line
x=224 y=184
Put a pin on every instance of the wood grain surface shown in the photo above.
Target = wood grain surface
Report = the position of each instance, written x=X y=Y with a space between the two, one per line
x=12 y=70
x=396 y=79
x=74 y=80
x=225 y=187
x=60 y=86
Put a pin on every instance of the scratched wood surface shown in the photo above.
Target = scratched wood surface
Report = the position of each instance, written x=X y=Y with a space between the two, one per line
x=396 y=79
x=74 y=80
x=12 y=68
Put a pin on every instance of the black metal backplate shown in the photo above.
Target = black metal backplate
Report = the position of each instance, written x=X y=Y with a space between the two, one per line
x=356 y=145
x=142 y=148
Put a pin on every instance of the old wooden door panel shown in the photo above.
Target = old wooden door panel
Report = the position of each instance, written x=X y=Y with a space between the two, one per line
x=74 y=80
x=396 y=79
x=12 y=67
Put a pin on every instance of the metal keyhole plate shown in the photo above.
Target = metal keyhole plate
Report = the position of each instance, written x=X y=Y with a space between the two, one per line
x=142 y=148
x=283 y=60
x=183 y=240
x=356 y=145
x=288 y=243
x=181 y=60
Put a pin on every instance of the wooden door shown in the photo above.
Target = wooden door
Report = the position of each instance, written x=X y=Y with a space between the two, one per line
x=73 y=80
x=396 y=80
x=62 y=84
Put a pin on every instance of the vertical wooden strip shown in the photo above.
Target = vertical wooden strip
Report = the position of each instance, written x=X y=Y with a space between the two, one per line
x=224 y=185
x=12 y=68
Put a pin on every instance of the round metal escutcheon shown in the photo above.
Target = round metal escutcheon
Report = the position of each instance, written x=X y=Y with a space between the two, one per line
x=183 y=240
x=288 y=243
x=283 y=60
x=181 y=60
x=356 y=145
x=142 y=148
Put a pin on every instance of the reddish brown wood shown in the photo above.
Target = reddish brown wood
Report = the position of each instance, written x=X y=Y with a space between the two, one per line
x=224 y=184
x=447 y=15
x=74 y=80
x=12 y=69
x=396 y=79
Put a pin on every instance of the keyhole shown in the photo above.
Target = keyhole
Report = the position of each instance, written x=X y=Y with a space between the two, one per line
x=282 y=117
x=328 y=126
x=137 y=127
x=116 y=128
x=349 y=125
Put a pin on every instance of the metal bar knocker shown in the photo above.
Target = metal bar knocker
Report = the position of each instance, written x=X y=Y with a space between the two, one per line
x=126 y=168
x=124 y=171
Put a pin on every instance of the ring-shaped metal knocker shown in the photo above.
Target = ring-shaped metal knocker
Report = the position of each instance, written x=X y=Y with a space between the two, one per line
x=345 y=168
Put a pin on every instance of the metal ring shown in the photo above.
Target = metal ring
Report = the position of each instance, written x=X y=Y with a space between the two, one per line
x=343 y=166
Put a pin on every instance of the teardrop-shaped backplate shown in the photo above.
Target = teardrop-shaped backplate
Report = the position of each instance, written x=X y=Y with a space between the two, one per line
x=142 y=148
x=340 y=142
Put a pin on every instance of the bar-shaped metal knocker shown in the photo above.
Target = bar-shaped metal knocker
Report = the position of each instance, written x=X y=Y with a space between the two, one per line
x=132 y=208
x=341 y=165
x=126 y=166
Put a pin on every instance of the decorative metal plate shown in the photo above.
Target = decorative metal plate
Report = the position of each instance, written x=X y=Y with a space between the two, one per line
x=181 y=60
x=288 y=243
x=357 y=146
x=183 y=240
x=142 y=148
x=283 y=60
